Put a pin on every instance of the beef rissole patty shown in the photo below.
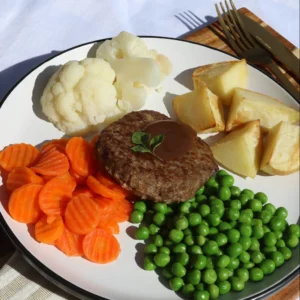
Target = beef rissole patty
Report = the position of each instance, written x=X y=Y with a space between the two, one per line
x=145 y=175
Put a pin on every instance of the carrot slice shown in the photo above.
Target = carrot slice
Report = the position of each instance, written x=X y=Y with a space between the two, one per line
x=51 y=219
x=61 y=142
x=106 y=205
x=80 y=180
x=70 y=243
x=81 y=156
x=122 y=211
x=108 y=223
x=18 y=155
x=55 y=196
x=48 y=233
x=20 y=176
x=82 y=215
x=47 y=177
x=81 y=190
x=102 y=189
x=23 y=203
x=69 y=180
x=51 y=161
x=94 y=140
x=100 y=246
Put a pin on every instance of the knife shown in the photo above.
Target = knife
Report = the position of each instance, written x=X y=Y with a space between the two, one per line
x=270 y=43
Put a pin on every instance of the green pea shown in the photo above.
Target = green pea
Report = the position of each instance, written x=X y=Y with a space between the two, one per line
x=199 y=240
x=209 y=276
x=270 y=207
x=224 y=287
x=269 y=249
x=199 y=262
x=276 y=224
x=141 y=233
x=213 y=219
x=169 y=210
x=232 y=214
x=265 y=216
x=209 y=263
x=204 y=222
x=233 y=224
x=294 y=229
x=168 y=243
x=200 y=191
x=255 y=245
x=179 y=248
x=256 y=274
x=192 y=199
x=227 y=180
x=219 y=210
x=281 y=212
x=204 y=210
x=201 y=198
x=224 y=193
x=223 y=274
x=223 y=261
x=233 y=235
x=234 y=250
x=153 y=229
x=195 y=249
x=270 y=239
x=161 y=259
x=176 y=235
x=249 y=193
x=136 y=217
x=266 y=229
x=280 y=243
x=236 y=204
x=185 y=207
x=237 y=284
x=292 y=241
x=234 y=263
x=188 y=290
x=200 y=287
x=230 y=271
x=189 y=240
x=201 y=295
x=257 y=232
x=267 y=266
x=244 y=198
x=244 y=257
x=221 y=239
x=224 y=226
x=256 y=222
x=158 y=240
x=286 y=252
x=277 y=257
x=176 y=283
x=149 y=265
x=256 y=256
x=255 y=205
x=214 y=201
x=210 y=248
x=278 y=234
x=187 y=231
x=212 y=182
x=182 y=258
x=140 y=206
x=164 y=249
x=193 y=277
x=178 y=269
x=213 y=231
x=262 y=197
x=235 y=192
x=245 y=242
x=167 y=272
x=213 y=291
x=245 y=229
x=181 y=222
x=159 y=219
x=243 y=274
x=150 y=249
x=194 y=219
x=249 y=265
x=221 y=173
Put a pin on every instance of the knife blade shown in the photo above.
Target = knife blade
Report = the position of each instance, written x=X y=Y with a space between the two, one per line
x=275 y=47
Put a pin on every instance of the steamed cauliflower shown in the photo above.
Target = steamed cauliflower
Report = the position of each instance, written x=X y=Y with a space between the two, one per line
x=80 y=96
x=139 y=70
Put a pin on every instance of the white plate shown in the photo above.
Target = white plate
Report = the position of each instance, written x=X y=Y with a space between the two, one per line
x=22 y=121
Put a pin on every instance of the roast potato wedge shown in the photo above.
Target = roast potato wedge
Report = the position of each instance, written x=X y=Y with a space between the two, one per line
x=240 y=150
x=221 y=78
x=281 y=150
x=248 y=105
x=200 y=109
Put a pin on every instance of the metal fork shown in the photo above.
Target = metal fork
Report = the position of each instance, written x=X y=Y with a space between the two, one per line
x=245 y=46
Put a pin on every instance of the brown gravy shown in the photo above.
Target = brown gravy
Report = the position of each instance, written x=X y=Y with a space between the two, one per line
x=178 y=138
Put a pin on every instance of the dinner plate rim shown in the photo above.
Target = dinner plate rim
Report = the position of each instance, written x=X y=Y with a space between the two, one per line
x=64 y=283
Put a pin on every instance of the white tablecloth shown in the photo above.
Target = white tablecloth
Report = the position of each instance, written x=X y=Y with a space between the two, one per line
x=32 y=30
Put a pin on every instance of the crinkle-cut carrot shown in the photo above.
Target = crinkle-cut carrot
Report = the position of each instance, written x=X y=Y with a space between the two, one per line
x=47 y=177
x=107 y=222
x=48 y=233
x=102 y=189
x=18 y=155
x=94 y=140
x=51 y=161
x=82 y=190
x=82 y=215
x=51 y=219
x=20 y=176
x=61 y=142
x=68 y=179
x=23 y=204
x=81 y=156
x=122 y=210
x=55 y=196
x=100 y=246
x=70 y=243
x=80 y=180
x=106 y=205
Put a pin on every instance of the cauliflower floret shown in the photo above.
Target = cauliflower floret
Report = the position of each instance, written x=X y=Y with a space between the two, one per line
x=80 y=96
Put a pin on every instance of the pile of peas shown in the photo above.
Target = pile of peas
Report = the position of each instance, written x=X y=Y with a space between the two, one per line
x=217 y=241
